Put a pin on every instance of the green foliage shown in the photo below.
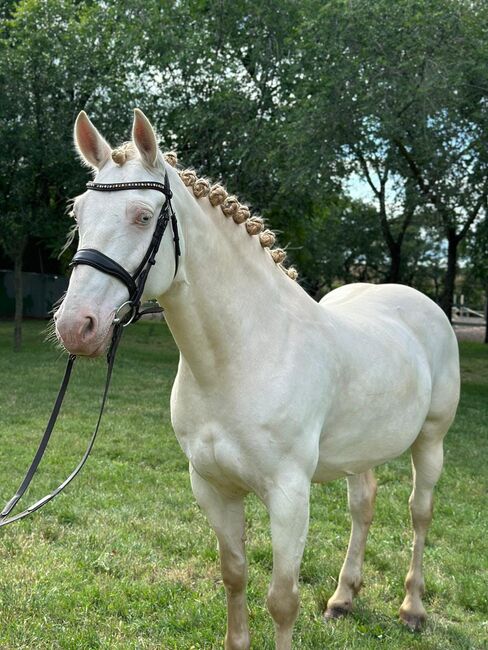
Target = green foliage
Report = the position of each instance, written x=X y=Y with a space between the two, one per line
x=282 y=101
x=340 y=241
x=56 y=59
x=475 y=272
x=125 y=559
x=478 y=253
x=399 y=90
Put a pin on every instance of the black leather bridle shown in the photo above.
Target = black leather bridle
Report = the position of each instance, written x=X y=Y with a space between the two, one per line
x=135 y=284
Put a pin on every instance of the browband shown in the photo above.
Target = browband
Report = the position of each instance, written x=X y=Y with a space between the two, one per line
x=135 y=185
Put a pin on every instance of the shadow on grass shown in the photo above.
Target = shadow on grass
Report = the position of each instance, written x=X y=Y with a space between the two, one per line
x=367 y=628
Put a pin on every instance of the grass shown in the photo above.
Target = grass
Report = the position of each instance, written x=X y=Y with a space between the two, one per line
x=125 y=559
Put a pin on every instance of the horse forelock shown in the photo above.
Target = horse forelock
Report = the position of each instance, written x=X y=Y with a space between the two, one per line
x=126 y=151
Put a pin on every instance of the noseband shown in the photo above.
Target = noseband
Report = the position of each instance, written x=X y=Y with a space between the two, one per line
x=135 y=285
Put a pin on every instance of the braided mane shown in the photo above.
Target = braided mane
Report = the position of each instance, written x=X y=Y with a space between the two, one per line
x=218 y=196
x=231 y=208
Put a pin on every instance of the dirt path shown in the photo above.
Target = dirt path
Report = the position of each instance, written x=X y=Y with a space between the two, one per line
x=469 y=329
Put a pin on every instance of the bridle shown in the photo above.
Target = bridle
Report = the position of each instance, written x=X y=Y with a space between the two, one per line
x=135 y=283
x=128 y=312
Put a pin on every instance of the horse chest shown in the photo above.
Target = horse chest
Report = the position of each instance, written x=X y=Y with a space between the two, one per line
x=218 y=456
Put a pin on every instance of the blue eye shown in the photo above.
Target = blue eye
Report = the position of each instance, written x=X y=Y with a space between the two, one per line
x=144 y=218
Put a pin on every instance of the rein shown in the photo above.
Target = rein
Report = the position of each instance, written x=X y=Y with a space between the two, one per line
x=128 y=312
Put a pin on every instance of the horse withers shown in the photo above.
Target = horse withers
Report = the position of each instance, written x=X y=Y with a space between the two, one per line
x=274 y=391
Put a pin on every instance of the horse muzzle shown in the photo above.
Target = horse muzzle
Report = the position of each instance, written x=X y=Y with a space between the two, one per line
x=81 y=332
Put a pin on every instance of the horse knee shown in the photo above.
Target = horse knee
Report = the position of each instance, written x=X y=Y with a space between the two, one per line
x=234 y=574
x=421 y=508
x=283 y=603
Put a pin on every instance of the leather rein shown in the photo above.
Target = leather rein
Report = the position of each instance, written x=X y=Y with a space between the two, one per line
x=129 y=312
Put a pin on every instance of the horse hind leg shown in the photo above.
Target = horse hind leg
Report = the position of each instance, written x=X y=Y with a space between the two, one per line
x=361 y=496
x=427 y=461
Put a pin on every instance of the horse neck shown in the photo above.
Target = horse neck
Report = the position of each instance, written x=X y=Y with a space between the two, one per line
x=227 y=293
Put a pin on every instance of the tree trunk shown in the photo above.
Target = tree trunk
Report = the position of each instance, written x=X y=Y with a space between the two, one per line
x=486 y=314
x=450 y=277
x=19 y=301
x=394 y=274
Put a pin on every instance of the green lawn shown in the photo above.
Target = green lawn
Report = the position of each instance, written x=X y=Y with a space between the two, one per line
x=124 y=558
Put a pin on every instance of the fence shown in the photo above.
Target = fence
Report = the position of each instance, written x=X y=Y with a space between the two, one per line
x=40 y=293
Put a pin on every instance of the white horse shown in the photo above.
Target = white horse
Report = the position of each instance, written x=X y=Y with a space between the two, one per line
x=273 y=391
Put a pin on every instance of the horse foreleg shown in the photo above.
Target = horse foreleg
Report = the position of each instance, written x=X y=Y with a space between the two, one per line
x=226 y=516
x=427 y=460
x=288 y=507
x=361 y=495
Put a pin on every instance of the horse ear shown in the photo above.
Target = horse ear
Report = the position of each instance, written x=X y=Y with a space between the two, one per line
x=93 y=149
x=144 y=138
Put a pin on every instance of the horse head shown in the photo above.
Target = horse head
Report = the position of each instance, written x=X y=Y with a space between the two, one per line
x=119 y=225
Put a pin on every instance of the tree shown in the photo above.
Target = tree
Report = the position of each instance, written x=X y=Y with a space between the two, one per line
x=282 y=101
x=51 y=66
x=477 y=266
x=13 y=239
x=401 y=88
x=334 y=243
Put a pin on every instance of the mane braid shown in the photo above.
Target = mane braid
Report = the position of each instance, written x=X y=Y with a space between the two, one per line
x=231 y=208
x=218 y=197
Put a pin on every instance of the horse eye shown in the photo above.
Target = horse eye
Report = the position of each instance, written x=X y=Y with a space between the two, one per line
x=144 y=218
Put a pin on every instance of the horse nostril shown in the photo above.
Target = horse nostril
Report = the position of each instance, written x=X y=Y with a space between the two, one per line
x=88 y=328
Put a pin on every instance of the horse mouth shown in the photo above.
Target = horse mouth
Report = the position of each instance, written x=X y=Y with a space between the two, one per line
x=95 y=348
x=101 y=349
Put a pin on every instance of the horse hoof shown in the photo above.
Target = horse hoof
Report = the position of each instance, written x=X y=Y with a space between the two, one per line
x=415 y=622
x=335 y=612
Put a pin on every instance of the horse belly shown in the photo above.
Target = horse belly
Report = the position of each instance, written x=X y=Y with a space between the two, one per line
x=344 y=454
x=383 y=419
